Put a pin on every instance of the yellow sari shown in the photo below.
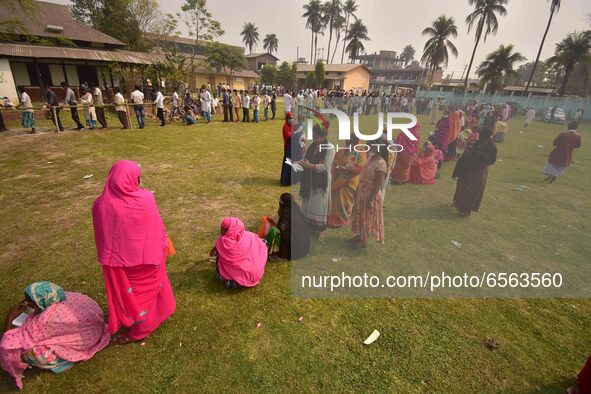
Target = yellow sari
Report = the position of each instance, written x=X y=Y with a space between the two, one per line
x=344 y=185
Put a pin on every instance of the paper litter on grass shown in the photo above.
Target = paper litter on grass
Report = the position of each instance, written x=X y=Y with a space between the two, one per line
x=456 y=244
x=372 y=338
x=87 y=176
x=301 y=319
x=540 y=146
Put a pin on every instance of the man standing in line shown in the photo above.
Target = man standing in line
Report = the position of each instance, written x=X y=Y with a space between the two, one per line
x=245 y=107
x=121 y=108
x=206 y=103
x=97 y=96
x=28 y=114
x=70 y=101
x=274 y=104
x=54 y=108
x=300 y=104
x=237 y=104
x=255 y=102
x=159 y=103
x=175 y=105
x=266 y=103
x=287 y=101
x=226 y=105
x=137 y=97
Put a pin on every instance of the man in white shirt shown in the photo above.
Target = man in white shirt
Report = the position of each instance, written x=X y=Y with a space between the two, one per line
x=256 y=101
x=287 y=103
x=175 y=105
x=245 y=107
x=266 y=104
x=121 y=108
x=28 y=115
x=159 y=103
x=300 y=104
x=97 y=96
x=137 y=97
x=205 y=103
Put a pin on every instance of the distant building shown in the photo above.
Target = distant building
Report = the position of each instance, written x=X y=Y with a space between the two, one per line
x=388 y=73
x=256 y=61
x=70 y=51
x=338 y=76
x=516 y=90
x=451 y=85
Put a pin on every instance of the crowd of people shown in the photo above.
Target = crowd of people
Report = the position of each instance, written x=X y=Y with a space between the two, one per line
x=337 y=188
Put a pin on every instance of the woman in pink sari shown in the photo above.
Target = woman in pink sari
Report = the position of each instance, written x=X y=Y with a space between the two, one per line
x=241 y=255
x=132 y=247
x=53 y=330
x=401 y=172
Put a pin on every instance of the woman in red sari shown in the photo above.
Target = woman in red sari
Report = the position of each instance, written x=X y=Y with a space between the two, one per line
x=424 y=168
x=132 y=247
x=401 y=171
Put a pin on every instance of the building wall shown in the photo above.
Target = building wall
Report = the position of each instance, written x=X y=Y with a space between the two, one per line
x=7 y=86
x=357 y=79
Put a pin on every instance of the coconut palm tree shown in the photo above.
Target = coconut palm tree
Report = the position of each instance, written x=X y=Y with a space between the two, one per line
x=407 y=55
x=357 y=33
x=498 y=66
x=485 y=17
x=331 y=10
x=250 y=35
x=339 y=25
x=349 y=8
x=554 y=8
x=271 y=43
x=574 y=49
x=313 y=17
x=438 y=46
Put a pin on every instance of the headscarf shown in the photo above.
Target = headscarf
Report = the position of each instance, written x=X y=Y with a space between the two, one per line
x=128 y=229
x=45 y=294
x=311 y=179
x=287 y=128
x=456 y=126
x=242 y=254
x=409 y=145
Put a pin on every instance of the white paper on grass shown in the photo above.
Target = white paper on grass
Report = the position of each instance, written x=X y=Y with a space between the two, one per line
x=372 y=338
x=19 y=321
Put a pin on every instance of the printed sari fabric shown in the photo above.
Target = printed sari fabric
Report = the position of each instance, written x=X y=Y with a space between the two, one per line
x=424 y=168
x=368 y=221
x=346 y=169
x=401 y=171
x=64 y=333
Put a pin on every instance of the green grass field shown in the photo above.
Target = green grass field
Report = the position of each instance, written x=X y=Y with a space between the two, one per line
x=202 y=173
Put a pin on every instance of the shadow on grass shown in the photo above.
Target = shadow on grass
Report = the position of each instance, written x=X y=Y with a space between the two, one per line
x=557 y=387
x=201 y=276
x=439 y=212
x=261 y=181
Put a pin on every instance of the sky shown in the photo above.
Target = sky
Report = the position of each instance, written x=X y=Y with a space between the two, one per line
x=393 y=24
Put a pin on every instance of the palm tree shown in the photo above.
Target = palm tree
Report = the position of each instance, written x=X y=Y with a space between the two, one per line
x=271 y=43
x=313 y=17
x=331 y=10
x=339 y=24
x=357 y=33
x=498 y=66
x=407 y=55
x=554 y=8
x=574 y=49
x=438 y=46
x=485 y=16
x=349 y=8
x=250 y=35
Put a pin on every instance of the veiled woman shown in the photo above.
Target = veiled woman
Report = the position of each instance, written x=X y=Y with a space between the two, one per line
x=132 y=248
x=293 y=144
x=471 y=172
x=316 y=180
x=347 y=166
x=291 y=232
x=401 y=171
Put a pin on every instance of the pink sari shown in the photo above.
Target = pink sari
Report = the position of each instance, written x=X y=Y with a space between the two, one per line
x=132 y=248
x=73 y=329
x=242 y=254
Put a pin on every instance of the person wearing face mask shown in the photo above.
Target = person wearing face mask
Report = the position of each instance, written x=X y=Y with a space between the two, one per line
x=316 y=180
x=290 y=151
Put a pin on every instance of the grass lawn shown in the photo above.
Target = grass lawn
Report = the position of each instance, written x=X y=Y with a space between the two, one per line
x=202 y=173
